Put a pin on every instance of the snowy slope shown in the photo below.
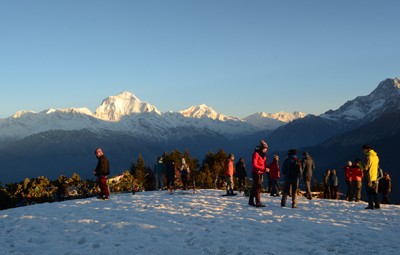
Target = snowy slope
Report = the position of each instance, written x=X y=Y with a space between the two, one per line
x=202 y=223
x=385 y=98
x=204 y=111
x=272 y=120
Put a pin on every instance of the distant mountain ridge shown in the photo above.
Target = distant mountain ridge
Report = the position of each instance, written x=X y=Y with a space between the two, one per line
x=127 y=113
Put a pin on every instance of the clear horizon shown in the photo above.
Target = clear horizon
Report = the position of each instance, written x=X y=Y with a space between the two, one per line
x=237 y=57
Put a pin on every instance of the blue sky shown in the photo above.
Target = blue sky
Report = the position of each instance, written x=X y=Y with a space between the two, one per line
x=239 y=57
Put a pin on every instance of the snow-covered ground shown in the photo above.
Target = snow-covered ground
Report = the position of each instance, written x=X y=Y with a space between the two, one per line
x=202 y=223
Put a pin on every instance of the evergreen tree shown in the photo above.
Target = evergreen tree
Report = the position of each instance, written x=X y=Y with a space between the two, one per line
x=213 y=165
x=139 y=171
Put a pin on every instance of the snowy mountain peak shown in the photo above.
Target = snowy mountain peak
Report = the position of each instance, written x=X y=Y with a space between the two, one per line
x=385 y=98
x=272 y=120
x=83 y=110
x=281 y=116
x=203 y=111
x=19 y=114
x=114 y=108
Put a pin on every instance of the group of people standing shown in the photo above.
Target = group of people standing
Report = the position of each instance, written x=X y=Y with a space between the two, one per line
x=293 y=169
x=167 y=170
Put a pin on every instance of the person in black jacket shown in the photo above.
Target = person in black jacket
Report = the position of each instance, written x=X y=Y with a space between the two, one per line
x=170 y=174
x=385 y=187
x=101 y=172
x=241 y=174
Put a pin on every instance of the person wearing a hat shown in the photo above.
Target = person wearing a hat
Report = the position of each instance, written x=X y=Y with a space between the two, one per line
x=229 y=171
x=259 y=167
x=274 y=175
x=292 y=170
x=101 y=172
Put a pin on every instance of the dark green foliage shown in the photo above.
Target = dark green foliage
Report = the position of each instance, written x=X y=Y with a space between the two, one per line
x=139 y=177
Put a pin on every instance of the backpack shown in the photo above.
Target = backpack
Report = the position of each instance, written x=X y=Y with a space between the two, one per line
x=380 y=174
x=294 y=169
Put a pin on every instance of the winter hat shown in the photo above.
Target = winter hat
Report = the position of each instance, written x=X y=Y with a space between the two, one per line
x=231 y=155
x=366 y=147
x=263 y=144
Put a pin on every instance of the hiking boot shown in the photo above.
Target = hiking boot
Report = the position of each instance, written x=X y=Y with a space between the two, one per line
x=294 y=206
x=283 y=205
x=260 y=205
x=252 y=204
x=377 y=207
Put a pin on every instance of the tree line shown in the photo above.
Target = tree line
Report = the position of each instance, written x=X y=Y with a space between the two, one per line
x=207 y=174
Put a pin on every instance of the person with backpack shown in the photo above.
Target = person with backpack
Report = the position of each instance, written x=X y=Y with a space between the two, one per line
x=292 y=170
x=259 y=167
x=371 y=166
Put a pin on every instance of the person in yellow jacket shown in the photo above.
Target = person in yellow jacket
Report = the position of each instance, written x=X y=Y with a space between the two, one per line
x=371 y=166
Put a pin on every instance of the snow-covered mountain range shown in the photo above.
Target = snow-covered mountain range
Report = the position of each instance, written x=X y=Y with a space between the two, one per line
x=127 y=113
x=385 y=98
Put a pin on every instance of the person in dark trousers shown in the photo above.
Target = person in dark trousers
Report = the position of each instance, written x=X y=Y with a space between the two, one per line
x=229 y=172
x=347 y=178
x=292 y=170
x=308 y=168
x=355 y=178
x=102 y=172
x=170 y=174
x=370 y=176
x=333 y=185
x=327 y=191
x=259 y=167
x=274 y=174
x=159 y=171
x=241 y=174
x=185 y=171
x=385 y=187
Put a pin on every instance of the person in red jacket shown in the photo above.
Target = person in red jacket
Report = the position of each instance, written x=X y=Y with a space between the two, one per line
x=259 y=167
x=274 y=175
x=355 y=178
x=347 y=178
